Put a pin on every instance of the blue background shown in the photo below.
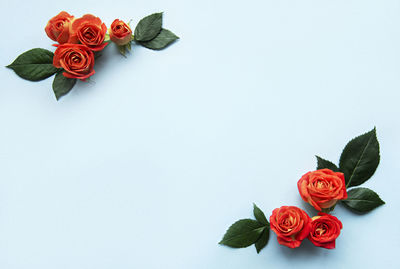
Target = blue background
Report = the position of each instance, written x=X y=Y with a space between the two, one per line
x=148 y=164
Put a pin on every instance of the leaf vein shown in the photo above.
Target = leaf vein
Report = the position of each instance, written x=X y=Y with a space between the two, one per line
x=359 y=160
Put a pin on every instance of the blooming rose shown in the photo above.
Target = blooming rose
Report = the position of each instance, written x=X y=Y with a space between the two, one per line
x=76 y=60
x=322 y=188
x=325 y=229
x=90 y=31
x=58 y=27
x=120 y=32
x=291 y=224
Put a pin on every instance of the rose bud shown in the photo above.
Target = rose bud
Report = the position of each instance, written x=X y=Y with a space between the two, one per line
x=76 y=60
x=325 y=229
x=322 y=188
x=58 y=27
x=90 y=31
x=120 y=33
x=291 y=225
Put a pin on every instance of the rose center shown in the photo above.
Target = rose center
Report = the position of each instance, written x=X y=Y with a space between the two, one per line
x=287 y=223
x=321 y=229
x=59 y=25
x=76 y=58
x=89 y=34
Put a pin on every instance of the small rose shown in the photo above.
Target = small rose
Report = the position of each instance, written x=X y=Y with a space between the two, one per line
x=291 y=225
x=58 y=27
x=90 y=31
x=120 y=32
x=76 y=60
x=322 y=188
x=325 y=229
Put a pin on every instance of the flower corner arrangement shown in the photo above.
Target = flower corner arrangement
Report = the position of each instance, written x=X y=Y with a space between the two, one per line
x=79 y=43
x=323 y=189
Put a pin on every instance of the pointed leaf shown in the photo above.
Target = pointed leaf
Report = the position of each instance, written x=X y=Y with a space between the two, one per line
x=148 y=27
x=360 y=158
x=161 y=41
x=263 y=240
x=259 y=215
x=242 y=233
x=362 y=200
x=322 y=164
x=122 y=50
x=34 y=65
x=129 y=46
x=62 y=85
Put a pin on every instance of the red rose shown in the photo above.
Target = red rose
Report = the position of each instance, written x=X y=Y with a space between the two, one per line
x=90 y=31
x=120 y=33
x=325 y=229
x=58 y=27
x=291 y=224
x=76 y=60
x=322 y=188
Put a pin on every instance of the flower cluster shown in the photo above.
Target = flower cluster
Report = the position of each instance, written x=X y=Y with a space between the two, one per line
x=79 y=40
x=323 y=189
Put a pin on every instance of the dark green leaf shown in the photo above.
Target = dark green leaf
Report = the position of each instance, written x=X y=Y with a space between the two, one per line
x=161 y=41
x=322 y=164
x=360 y=158
x=148 y=27
x=263 y=240
x=362 y=200
x=62 y=85
x=242 y=233
x=259 y=215
x=34 y=64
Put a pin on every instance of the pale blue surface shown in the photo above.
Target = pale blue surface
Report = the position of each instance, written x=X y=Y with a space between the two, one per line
x=148 y=165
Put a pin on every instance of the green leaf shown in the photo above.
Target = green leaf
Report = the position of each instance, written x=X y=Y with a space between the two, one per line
x=122 y=50
x=362 y=200
x=259 y=215
x=243 y=233
x=322 y=164
x=148 y=27
x=360 y=158
x=161 y=41
x=34 y=65
x=263 y=240
x=62 y=85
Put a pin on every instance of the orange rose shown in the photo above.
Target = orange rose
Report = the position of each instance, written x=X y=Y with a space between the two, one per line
x=322 y=188
x=325 y=229
x=76 y=60
x=291 y=224
x=58 y=27
x=90 y=31
x=120 y=33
